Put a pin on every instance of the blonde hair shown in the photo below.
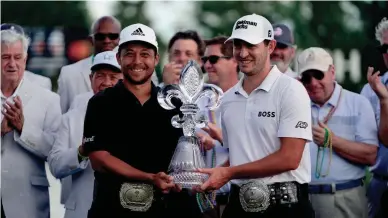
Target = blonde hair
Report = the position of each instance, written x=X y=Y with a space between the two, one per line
x=381 y=28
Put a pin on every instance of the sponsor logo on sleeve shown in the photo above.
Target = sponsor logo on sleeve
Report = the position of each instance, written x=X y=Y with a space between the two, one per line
x=302 y=125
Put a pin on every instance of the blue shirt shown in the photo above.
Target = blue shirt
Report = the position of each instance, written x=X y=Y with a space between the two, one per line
x=353 y=120
x=381 y=166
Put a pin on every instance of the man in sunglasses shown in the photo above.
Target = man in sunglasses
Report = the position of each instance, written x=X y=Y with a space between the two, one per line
x=284 y=52
x=222 y=70
x=344 y=139
x=74 y=78
x=376 y=92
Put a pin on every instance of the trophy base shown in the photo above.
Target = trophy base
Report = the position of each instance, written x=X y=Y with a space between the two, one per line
x=189 y=180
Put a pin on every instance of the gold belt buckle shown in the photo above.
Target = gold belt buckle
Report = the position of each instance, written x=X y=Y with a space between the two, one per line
x=254 y=196
x=136 y=196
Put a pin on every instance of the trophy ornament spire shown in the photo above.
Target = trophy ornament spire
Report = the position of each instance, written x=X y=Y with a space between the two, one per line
x=190 y=91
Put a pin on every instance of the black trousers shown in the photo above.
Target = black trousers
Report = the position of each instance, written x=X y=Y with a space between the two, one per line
x=2 y=210
x=173 y=205
x=302 y=209
x=184 y=205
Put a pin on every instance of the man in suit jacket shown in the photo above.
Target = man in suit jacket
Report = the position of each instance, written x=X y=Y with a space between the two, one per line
x=43 y=81
x=35 y=78
x=65 y=159
x=74 y=78
x=29 y=121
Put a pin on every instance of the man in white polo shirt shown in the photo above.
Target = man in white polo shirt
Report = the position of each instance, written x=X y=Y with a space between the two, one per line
x=344 y=139
x=266 y=122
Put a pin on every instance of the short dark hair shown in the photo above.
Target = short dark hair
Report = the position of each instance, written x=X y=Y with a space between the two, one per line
x=189 y=34
x=145 y=44
x=226 y=48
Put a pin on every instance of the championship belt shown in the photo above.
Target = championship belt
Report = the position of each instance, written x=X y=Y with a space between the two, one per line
x=136 y=196
x=254 y=196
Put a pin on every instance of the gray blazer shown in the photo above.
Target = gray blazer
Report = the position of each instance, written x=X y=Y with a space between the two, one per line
x=77 y=178
x=43 y=81
x=73 y=80
x=24 y=185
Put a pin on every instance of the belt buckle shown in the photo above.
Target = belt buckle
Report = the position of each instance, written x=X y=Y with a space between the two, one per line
x=254 y=196
x=136 y=196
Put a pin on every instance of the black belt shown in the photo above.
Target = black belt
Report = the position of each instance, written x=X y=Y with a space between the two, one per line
x=279 y=193
x=222 y=198
x=380 y=177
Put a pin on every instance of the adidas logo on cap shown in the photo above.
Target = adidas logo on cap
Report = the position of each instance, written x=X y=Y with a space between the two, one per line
x=138 y=32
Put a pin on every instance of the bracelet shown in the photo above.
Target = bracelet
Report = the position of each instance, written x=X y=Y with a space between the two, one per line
x=81 y=156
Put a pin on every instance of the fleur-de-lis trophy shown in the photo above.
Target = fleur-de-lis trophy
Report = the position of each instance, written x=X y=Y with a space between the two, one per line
x=191 y=91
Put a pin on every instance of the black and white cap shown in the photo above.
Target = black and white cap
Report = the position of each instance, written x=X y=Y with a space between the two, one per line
x=138 y=32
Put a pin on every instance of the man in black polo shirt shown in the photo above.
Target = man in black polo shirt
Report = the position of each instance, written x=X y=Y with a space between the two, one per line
x=128 y=136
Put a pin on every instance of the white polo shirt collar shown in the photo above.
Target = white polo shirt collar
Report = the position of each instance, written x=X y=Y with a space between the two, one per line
x=266 y=85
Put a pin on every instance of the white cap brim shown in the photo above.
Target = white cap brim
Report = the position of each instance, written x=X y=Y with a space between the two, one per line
x=138 y=39
x=314 y=67
x=105 y=64
x=250 y=40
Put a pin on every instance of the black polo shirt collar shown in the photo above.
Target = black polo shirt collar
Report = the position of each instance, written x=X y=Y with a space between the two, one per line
x=121 y=88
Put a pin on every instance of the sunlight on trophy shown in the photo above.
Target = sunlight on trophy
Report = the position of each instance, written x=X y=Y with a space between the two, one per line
x=190 y=91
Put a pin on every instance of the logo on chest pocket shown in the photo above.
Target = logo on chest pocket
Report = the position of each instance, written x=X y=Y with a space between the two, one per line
x=266 y=114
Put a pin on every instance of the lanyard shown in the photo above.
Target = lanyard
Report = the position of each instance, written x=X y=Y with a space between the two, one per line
x=328 y=144
x=212 y=118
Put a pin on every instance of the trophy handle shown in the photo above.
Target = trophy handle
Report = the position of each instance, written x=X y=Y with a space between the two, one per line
x=167 y=94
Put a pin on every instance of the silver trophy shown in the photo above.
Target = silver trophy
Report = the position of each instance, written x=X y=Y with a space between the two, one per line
x=190 y=91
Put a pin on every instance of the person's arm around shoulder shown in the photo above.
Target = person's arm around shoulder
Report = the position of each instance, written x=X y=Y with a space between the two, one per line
x=95 y=146
x=64 y=158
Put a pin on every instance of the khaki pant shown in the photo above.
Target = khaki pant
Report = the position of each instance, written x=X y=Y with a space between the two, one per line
x=350 y=203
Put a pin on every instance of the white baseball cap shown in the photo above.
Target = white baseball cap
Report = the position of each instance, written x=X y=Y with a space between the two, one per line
x=138 y=32
x=253 y=29
x=314 y=58
x=105 y=58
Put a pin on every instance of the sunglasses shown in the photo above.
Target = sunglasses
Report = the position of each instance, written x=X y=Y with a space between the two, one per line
x=306 y=76
x=102 y=36
x=213 y=59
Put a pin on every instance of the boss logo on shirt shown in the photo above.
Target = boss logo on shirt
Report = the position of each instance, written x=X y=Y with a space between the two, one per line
x=90 y=139
x=266 y=114
x=302 y=125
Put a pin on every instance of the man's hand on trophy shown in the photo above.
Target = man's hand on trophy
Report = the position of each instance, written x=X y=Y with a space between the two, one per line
x=164 y=182
x=207 y=141
x=375 y=83
x=218 y=177
x=214 y=131
x=171 y=73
